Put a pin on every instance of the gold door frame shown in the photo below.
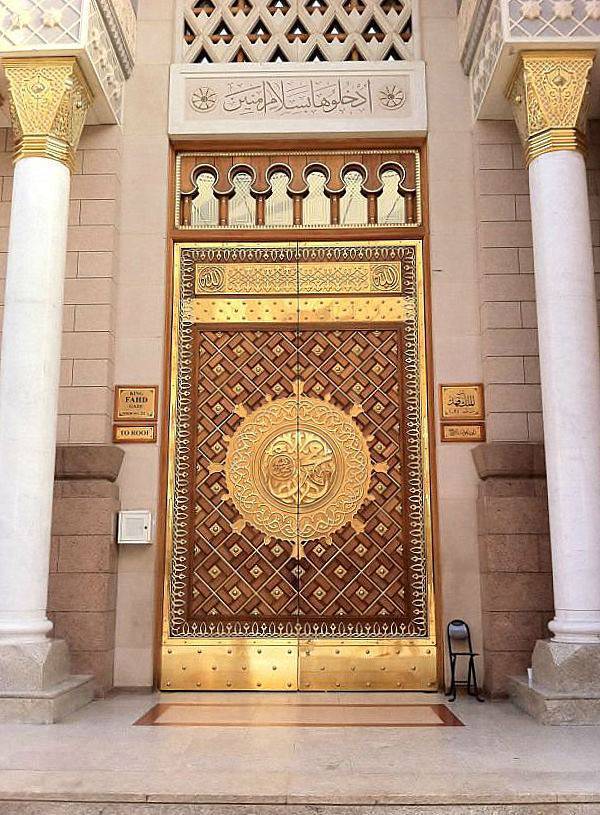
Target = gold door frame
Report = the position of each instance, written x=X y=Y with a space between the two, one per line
x=294 y=662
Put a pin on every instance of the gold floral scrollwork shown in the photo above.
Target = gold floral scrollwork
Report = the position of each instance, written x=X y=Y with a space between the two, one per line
x=48 y=102
x=549 y=97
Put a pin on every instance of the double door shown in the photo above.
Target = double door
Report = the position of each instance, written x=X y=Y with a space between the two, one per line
x=299 y=535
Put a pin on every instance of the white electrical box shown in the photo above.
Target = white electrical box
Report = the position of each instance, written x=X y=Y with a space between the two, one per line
x=135 y=526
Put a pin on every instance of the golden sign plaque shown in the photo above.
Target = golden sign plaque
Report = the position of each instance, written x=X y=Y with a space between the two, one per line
x=462 y=403
x=135 y=403
x=466 y=433
x=134 y=434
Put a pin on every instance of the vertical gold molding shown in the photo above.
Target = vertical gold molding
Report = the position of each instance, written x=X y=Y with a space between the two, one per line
x=549 y=96
x=48 y=101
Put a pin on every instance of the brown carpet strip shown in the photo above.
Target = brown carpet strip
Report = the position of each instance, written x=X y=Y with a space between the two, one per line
x=297 y=714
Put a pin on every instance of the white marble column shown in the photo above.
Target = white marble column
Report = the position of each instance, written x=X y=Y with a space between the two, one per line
x=570 y=376
x=549 y=96
x=49 y=100
x=29 y=378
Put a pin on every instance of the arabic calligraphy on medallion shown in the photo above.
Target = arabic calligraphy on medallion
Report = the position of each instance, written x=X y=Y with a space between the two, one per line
x=298 y=468
x=304 y=96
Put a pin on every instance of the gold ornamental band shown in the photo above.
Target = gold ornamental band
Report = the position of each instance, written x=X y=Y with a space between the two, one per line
x=311 y=310
x=45 y=147
x=553 y=139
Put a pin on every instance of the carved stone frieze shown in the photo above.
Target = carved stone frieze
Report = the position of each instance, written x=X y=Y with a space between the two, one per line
x=554 y=19
x=48 y=101
x=549 y=95
x=471 y=20
x=121 y=24
x=105 y=60
x=298 y=98
x=34 y=23
x=486 y=57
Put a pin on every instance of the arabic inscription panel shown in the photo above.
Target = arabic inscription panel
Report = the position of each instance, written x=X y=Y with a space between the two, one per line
x=299 y=99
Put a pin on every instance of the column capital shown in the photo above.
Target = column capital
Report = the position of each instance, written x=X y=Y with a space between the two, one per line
x=549 y=94
x=48 y=101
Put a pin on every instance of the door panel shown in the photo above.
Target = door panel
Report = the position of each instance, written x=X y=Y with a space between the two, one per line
x=299 y=540
x=356 y=577
x=237 y=580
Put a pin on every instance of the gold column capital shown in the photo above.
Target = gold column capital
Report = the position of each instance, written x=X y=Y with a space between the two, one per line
x=549 y=96
x=48 y=100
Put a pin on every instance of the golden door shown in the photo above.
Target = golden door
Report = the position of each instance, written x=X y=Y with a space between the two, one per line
x=299 y=530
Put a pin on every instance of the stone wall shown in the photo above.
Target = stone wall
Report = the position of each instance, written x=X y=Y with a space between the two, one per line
x=508 y=320
x=508 y=316
x=87 y=372
x=82 y=593
x=141 y=318
x=456 y=335
x=514 y=555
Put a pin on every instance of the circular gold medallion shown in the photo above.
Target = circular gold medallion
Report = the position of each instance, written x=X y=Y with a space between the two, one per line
x=298 y=469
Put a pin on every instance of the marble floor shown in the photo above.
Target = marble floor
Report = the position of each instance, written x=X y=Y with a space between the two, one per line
x=499 y=756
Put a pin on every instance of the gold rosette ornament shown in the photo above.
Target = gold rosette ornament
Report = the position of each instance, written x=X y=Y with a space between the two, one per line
x=298 y=469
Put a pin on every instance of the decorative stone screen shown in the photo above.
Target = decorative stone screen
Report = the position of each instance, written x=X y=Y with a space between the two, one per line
x=217 y=31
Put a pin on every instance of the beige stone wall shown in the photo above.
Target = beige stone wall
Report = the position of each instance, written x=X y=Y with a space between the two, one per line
x=510 y=362
x=511 y=369
x=87 y=372
x=456 y=331
x=141 y=320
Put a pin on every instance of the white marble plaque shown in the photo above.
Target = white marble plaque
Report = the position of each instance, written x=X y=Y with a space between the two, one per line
x=298 y=98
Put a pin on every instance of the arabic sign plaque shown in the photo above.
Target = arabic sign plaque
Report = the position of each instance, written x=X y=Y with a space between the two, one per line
x=466 y=433
x=297 y=97
x=461 y=403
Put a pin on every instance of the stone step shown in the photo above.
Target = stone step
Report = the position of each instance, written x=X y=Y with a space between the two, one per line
x=554 y=707
x=49 y=705
x=126 y=807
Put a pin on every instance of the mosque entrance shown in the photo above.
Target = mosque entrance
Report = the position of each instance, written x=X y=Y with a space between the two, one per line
x=299 y=529
x=298 y=534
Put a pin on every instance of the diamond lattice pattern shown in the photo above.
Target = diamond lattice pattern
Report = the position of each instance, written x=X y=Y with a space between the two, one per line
x=297 y=30
x=39 y=22
x=362 y=575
